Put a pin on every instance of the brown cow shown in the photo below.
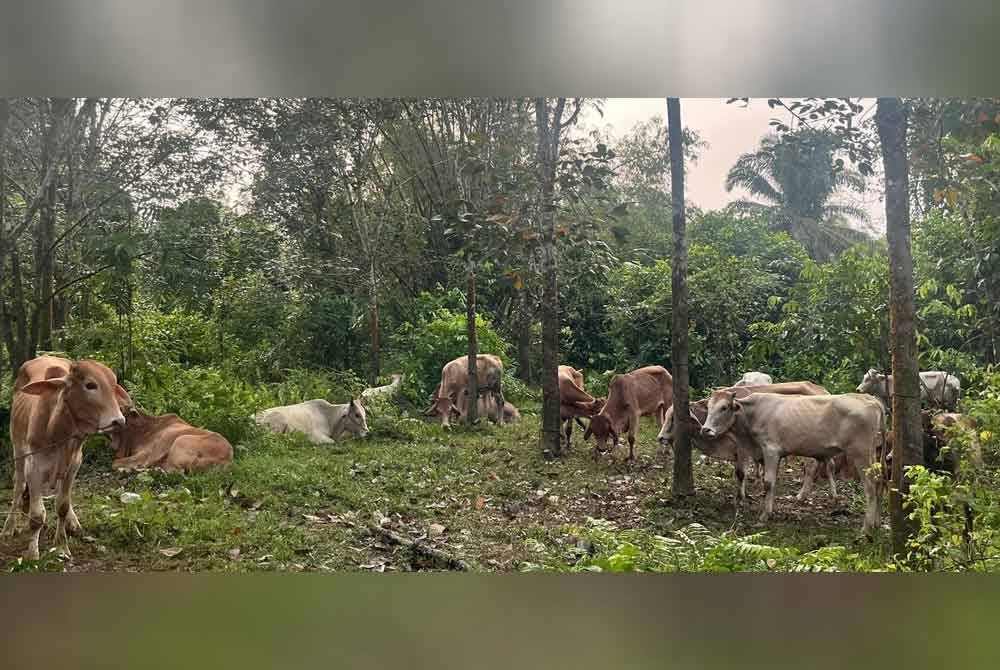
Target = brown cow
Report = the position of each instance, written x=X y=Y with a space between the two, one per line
x=57 y=405
x=574 y=402
x=486 y=408
x=455 y=378
x=725 y=447
x=639 y=393
x=167 y=442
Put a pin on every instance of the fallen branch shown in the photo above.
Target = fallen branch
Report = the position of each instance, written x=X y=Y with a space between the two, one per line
x=418 y=547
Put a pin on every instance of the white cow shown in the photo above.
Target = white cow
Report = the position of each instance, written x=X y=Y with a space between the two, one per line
x=322 y=422
x=938 y=389
x=754 y=379
x=819 y=426
x=386 y=391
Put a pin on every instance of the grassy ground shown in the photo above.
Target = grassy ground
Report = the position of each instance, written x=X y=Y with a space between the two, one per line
x=483 y=495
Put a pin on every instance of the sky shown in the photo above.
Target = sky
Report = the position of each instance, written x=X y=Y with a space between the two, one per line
x=729 y=130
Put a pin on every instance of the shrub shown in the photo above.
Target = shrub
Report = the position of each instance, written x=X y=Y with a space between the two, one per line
x=425 y=345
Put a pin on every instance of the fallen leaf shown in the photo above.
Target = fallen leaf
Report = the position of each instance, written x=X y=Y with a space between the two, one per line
x=312 y=517
x=129 y=498
x=435 y=529
x=480 y=502
x=170 y=552
x=234 y=554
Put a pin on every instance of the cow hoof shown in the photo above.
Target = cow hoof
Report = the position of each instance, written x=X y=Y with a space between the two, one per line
x=74 y=530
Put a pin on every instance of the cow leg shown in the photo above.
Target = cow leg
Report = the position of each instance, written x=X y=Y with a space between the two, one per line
x=771 y=459
x=741 y=481
x=500 y=402
x=66 y=516
x=808 y=475
x=831 y=474
x=568 y=428
x=13 y=517
x=631 y=445
x=36 y=508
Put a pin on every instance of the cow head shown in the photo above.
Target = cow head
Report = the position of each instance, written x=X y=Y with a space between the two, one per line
x=598 y=404
x=355 y=419
x=666 y=436
x=443 y=406
x=723 y=407
x=90 y=392
x=601 y=428
x=873 y=383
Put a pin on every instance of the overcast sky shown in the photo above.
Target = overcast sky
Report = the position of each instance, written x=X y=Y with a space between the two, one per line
x=730 y=130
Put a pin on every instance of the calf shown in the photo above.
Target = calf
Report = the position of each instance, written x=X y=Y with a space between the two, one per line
x=321 y=421
x=486 y=408
x=455 y=378
x=167 y=442
x=642 y=392
x=57 y=405
x=812 y=426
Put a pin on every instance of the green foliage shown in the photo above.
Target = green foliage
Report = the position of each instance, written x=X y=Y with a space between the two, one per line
x=601 y=546
x=423 y=345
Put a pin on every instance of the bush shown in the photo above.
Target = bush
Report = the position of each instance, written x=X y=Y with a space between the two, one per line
x=423 y=346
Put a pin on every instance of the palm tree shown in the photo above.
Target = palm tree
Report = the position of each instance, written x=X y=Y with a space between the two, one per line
x=797 y=177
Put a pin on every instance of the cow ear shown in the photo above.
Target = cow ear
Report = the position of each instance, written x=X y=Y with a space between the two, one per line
x=737 y=406
x=694 y=418
x=124 y=399
x=45 y=386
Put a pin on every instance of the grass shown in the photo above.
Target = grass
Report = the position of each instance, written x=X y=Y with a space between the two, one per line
x=285 y=504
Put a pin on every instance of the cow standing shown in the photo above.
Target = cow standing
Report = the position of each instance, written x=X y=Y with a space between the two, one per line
x=938 y=389
x=57 y=405
x=454 y=380
x=812 y=426
x=167 y=442
x=726 y=446
x=574 y=402
x=639 y=393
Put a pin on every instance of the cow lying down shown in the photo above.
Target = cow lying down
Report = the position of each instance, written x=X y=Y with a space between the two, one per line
x=486 y=407
x=167 y=442
x=322 y=422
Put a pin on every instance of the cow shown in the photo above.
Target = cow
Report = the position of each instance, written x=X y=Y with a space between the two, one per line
x=813 y=426
x=57 y=405
x=726 y=446
x=574 y=402
x=455 y=378
x=938 y=389
x=386 y=391
x=486 y=408
x=937 y=428
x=321 y=421
x=754 y=379
x=639 y=393
x=166 y=442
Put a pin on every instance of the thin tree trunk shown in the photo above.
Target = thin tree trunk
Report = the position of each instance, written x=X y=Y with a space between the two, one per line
x=472 y=397
x=890 y=117
x=548 y=153
x=683 y=481
x=376 y=348
x=523 y=337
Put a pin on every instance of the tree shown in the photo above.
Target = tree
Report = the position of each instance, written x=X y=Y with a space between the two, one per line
x=683 y=480
x=797 y=176
x=550 y=124
x=891 y=119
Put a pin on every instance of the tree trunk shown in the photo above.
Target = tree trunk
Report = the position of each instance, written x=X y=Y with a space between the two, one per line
x=472 y=404
x=524 y=338
x=890 y=117
x=376 y=347
x=548 y=154
x=683 y=481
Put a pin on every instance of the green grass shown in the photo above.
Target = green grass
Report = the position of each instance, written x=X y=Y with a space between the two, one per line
x=285 y=504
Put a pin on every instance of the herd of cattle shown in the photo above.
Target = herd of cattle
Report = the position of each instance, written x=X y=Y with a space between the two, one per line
x=57 y=404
